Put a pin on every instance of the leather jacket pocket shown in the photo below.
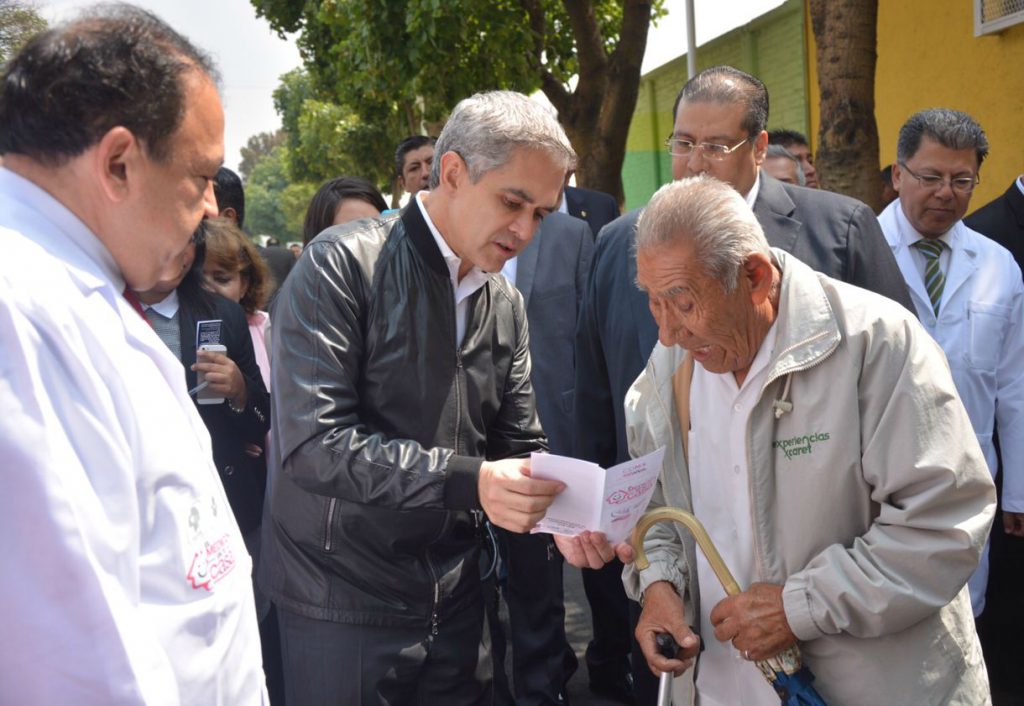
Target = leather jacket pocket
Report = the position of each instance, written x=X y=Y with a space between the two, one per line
x=327 y=538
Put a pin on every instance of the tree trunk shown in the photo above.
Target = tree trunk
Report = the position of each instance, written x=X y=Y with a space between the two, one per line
x=596 y=116
x=847 y=159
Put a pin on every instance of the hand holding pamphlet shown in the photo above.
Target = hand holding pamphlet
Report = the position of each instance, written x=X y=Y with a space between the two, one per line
x=609 y=501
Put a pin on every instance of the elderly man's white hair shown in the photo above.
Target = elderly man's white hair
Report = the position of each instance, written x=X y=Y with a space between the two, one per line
x=712 y=216
x=485 y=128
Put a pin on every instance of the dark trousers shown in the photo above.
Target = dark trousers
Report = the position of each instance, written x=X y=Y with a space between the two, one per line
x=340 y=664
x=542 y=660
x=614 y=653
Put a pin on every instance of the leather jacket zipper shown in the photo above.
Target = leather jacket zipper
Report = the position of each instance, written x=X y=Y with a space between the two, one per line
x=433 y=615
x=327 y=525
x=436 y=604
x=458 y=398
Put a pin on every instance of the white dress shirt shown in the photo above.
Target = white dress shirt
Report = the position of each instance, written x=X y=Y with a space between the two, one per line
x=720 y=484
x=751 y=196
x=128 y=579
x=464 y=288
x=908 y=235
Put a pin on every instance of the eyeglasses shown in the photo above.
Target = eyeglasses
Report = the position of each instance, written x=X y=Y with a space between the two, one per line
x=934 y=182
x=716 y=153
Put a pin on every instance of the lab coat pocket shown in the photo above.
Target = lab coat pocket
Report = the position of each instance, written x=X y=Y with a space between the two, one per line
x=987 y=324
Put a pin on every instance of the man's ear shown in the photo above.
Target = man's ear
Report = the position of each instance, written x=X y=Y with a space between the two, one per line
x=117 y=161
x=454 y=170
x=758 y=271
x=760 y=147
x=229 y=212
x=897 y=172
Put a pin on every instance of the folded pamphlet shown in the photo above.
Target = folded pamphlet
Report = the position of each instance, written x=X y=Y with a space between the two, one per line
x=596 y=499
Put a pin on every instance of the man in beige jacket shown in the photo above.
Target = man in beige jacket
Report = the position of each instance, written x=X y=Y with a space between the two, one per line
x=822 y=443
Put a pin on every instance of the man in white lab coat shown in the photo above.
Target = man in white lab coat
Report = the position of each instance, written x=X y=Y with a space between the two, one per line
x=126 y=579
x=967 y=290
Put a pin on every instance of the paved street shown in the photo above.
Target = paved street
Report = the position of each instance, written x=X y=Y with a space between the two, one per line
x=577 y=628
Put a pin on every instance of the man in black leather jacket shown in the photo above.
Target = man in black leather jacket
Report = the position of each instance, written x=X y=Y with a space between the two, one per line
x=402 y=412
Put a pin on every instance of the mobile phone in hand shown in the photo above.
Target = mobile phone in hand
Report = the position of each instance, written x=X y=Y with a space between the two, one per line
x=206 y=395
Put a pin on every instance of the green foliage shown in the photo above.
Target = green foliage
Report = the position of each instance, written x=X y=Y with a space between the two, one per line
x=326 y=140
x=423 y=56
x=377 y=70
x=18 y=22
x=271 y=198
x=256 y=148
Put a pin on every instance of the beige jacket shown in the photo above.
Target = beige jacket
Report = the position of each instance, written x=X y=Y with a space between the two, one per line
x=870 y=497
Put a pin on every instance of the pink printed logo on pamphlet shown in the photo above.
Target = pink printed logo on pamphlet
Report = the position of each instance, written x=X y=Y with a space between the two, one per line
x=211 y=563
x=630 y=492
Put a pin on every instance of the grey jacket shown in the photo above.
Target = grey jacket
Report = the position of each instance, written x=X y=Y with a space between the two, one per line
x=380 y=425
x=870 y=497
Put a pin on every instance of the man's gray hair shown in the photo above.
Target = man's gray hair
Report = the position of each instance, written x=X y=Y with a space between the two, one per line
x=780 y=151
x=950 y=128
x=713 y=217
x=486 y=128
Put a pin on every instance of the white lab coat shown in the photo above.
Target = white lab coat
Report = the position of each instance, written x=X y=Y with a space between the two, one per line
x=980 y=326
x=127 y=581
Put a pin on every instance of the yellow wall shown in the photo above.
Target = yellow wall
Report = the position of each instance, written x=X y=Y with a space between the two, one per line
x=928 y=57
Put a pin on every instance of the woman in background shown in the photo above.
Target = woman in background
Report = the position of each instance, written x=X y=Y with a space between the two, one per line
x=339 y=201
x=235 y=270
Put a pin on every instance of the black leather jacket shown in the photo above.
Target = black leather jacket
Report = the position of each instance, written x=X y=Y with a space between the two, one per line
x=380 y=425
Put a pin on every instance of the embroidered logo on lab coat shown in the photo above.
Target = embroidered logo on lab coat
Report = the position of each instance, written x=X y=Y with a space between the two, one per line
x=213 y=556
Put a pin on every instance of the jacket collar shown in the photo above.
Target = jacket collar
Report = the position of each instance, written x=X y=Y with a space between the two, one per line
x=1015 y=200
x=807 y=330
x=419 y=234
x=775 y=212
x=963 y=260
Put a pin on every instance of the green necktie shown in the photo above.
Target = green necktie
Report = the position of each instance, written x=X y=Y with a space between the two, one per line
x=934 y=280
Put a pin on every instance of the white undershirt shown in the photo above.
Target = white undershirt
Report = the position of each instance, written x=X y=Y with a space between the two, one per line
x=719 y=480
x=464 y=288
x=510 y=268
x=166 y=307
x=751 y=196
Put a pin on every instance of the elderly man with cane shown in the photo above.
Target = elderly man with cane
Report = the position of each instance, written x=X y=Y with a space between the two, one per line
x=814 y=428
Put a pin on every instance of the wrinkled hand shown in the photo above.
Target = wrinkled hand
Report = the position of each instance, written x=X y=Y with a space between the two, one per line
x=592 y=550
x=754 y=621
x=511 y=498
x=663 y=612
x=1013 y=523
x=223 y=375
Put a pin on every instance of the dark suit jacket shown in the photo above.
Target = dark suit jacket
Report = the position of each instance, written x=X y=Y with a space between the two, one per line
x=597 y=208
x=1002 y=219
x=244 y=477
x=551 y=274
x=834 y=234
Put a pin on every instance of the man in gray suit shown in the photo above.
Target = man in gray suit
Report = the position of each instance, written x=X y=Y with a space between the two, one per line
x=720 y=118
x=551 y=274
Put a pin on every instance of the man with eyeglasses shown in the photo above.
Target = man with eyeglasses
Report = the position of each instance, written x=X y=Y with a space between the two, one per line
x=967 y=290
x=720 y=118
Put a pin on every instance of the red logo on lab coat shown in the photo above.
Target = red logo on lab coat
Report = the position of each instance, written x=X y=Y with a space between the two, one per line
x=211 y=563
